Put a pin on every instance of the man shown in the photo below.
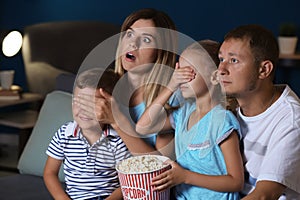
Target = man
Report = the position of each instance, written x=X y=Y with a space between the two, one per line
x=269 y=114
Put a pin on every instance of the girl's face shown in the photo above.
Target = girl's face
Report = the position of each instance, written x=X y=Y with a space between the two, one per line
x=138 y=45
x=84 y=121
x=199 y=85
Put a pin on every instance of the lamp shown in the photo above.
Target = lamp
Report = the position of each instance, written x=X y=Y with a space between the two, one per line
x=12 y=43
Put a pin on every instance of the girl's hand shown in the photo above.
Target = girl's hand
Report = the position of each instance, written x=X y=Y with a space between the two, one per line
x=181 y=75
x=170 y=178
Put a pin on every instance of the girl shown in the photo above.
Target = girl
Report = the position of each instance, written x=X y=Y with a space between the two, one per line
x=209 y=164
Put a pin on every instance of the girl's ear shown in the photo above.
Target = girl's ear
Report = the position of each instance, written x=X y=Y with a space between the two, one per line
x=214 y=79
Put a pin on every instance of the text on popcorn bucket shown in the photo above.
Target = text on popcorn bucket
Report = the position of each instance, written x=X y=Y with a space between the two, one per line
x=134 y=193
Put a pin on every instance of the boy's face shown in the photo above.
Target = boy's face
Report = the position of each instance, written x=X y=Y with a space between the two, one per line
x=84 y=121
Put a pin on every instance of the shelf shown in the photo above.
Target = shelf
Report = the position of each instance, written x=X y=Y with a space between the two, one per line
x=289 y=60
x=23 y=119
x=25 y=98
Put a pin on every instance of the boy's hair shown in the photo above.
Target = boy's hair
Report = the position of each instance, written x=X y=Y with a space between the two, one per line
x=97 y=78
x=262 y=42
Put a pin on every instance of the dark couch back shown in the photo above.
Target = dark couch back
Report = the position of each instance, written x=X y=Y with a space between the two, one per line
x=50 y=49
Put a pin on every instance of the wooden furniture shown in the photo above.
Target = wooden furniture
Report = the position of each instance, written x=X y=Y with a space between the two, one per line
x=26 y=98
x=23 y=120
x=288 y=71
x=288 y=61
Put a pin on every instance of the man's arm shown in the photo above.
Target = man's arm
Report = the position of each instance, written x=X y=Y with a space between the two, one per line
x=266 y=190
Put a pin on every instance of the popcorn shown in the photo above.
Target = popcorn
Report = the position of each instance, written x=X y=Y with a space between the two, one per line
x=135 y=176
x=141 y=164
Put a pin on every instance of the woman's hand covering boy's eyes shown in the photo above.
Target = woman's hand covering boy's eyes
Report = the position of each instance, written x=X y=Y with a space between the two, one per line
x=97 y=107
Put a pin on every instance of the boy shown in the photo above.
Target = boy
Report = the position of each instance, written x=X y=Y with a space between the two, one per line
x=88 y=149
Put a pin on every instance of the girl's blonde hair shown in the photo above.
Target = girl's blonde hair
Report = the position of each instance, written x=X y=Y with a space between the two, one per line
x=166 y=55
x=212 y=49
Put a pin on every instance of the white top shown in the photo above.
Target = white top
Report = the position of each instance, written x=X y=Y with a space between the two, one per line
x=89 y=169
x=272 y=144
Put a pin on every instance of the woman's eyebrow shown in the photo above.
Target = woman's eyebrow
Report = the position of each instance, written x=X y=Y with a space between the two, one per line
x=143 y=33
x=149 y=35
x=130 y=29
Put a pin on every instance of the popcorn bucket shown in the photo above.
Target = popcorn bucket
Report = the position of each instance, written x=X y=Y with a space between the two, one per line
x=136 y=185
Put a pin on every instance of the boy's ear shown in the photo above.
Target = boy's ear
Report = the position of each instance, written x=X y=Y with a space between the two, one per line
x=214 y=79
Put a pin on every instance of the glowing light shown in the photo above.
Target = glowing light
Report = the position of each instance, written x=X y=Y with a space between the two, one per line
x=12 y=43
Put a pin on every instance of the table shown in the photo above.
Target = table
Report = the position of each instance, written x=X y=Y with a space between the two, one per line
x=287 y=60
x=288 y=71
x=23 y=120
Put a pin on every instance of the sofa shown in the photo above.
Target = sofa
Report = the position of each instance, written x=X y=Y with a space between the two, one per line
x=53 y=53
x=55 y=49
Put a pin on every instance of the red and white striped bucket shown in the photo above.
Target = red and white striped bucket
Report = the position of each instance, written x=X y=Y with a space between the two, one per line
x=137 y=185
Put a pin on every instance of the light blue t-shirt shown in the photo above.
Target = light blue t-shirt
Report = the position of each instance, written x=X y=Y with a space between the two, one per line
x=136 y=112
x=198 y=150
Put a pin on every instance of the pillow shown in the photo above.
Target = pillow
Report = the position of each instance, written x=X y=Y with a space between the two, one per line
x=56 y=110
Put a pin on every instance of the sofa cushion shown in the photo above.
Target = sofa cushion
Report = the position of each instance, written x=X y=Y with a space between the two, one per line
x=56 y=110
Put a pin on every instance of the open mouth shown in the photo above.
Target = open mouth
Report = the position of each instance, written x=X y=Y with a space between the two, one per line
x=130 y=56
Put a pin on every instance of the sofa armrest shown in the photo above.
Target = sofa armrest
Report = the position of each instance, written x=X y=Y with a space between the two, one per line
x=56 y=110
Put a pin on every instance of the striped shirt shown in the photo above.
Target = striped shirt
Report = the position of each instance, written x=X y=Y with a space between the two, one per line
x=89 y=169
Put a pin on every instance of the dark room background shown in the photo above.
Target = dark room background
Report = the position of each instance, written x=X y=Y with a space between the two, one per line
x=195 y=18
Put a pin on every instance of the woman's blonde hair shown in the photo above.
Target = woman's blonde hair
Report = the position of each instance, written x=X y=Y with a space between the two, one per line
x=166 y=51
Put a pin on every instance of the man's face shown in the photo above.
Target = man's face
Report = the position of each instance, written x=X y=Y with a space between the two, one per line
x=237 y=70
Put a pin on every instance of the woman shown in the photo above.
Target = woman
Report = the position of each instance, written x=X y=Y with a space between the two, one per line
x=144 y=58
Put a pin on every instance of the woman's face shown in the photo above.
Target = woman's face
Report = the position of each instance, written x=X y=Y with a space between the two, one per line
x=138 y=45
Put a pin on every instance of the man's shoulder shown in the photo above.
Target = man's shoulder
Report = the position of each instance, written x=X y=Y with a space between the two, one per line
x=288 y=100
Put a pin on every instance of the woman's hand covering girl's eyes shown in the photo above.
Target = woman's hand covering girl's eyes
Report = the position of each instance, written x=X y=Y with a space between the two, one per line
x=180 y=76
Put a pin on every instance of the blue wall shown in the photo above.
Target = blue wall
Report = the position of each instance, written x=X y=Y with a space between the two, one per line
x=198 y=19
